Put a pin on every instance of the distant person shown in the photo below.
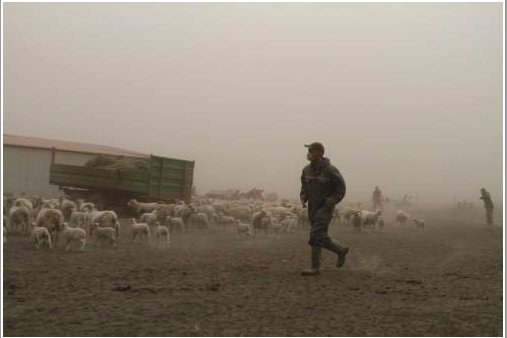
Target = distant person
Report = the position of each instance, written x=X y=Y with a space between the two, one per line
x=488 y=204
x=322 y=186
x=376 y=199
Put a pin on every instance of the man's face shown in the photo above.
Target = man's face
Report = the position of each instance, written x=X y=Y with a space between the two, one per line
x=313 y=155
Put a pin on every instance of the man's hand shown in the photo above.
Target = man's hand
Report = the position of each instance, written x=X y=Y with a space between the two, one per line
x=303 y=203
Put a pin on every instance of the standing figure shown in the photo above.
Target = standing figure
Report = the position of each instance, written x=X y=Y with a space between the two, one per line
x=488 y=204
x=376 y=199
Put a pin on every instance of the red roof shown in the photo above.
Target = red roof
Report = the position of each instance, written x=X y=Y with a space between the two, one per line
x=44 y=143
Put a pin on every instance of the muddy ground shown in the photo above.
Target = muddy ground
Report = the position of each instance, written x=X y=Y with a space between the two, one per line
x=443 y=281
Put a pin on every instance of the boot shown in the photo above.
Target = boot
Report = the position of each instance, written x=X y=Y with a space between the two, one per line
x=315 y=269
x=341 y=257
x=340 y=250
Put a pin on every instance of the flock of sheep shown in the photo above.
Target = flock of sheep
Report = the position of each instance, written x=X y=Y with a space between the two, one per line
x=374 y=220
x=78 y=221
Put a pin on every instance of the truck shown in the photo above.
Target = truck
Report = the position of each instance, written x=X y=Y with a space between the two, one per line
x=163 y=180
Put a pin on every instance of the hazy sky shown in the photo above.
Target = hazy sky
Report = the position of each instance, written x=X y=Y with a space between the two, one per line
x=407 y=96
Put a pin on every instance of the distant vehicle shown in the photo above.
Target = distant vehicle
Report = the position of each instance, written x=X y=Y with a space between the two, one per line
x=160 y=179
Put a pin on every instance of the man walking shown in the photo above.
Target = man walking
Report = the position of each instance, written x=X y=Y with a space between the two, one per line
x=488 y=204
x=322 y=186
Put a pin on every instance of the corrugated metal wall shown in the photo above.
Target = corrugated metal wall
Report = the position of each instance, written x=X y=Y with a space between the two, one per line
x=27 y=169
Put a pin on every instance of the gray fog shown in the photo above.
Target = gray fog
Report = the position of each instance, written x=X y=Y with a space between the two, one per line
x=407 y=96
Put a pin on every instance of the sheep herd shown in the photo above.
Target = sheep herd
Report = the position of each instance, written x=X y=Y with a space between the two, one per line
x=77 y=222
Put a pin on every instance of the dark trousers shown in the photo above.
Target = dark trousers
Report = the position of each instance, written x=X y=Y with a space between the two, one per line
x=319 y=237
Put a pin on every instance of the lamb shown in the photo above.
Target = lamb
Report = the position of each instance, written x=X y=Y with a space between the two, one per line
x=19 y=217
x=73 y=235
x=41 y=235
x=175 y=223
x=139 y=230
x=105 y=234
x=243 y=228
x=51 y=219
x=141 y=208
x=150 y=218
x=420 y=223
x=402 y=217
x=162 y=234
x=289 y=224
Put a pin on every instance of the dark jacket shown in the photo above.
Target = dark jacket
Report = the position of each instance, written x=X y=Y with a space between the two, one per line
x=321 y=185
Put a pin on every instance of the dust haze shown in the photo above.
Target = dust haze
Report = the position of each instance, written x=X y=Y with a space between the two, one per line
x=404 y=96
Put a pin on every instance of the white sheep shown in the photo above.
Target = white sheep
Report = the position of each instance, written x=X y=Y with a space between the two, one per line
x=23 y=202
x=140 y=207
x=87 y=207
x=356 y=219
x=104 y=234
x=149 y=218
x=73 y=235
x=261 y=220
x=66 y=206
x=289 y=224
x=105 y=218
x=175 y=223
x=199 y=220
x=278 y=227
x=243 y=228
x=51 y=219
x=77 y=219
x=225 y=220
x=162 y=234
x=139 y=230
x=19 y=218
x=420 y=223
x=41 y=235
x=370 y=218
x=402 y=217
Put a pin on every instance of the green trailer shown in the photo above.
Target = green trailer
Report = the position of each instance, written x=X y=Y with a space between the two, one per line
x=164 y=179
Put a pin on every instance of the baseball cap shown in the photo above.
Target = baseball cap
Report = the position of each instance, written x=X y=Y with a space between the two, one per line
x=315 y=146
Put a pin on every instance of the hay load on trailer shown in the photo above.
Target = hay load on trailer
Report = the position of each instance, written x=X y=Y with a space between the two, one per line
x=111 y=181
